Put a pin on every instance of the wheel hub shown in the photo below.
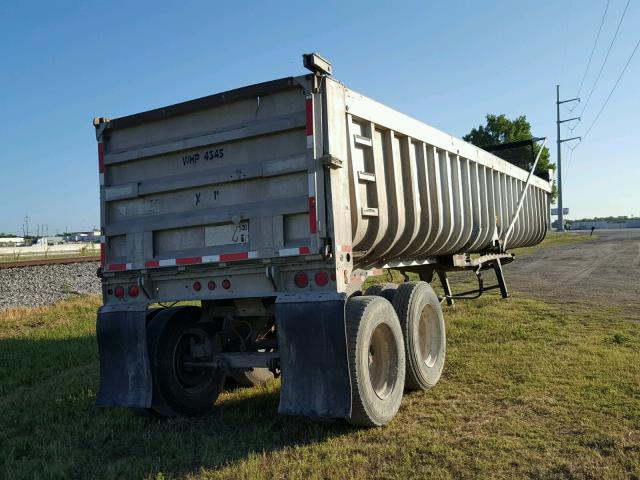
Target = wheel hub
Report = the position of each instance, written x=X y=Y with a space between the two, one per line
x=191 y=379
x=428 y=335
x=383 y=361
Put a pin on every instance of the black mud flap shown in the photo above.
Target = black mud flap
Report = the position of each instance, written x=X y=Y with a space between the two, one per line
x=313 y=358
x=125 y=376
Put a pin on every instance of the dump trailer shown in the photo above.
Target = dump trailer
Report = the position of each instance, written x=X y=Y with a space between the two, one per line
x=262 y=210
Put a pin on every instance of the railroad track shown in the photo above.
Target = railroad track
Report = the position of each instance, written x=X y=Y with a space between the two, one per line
x=48 y=261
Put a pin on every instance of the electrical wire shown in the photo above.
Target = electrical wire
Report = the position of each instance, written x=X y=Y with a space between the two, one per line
x=595 y=44
x=615 y=35
x=565 y=174
x=611 y=92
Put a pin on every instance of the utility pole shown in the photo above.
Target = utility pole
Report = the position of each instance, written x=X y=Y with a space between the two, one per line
x=559 y=142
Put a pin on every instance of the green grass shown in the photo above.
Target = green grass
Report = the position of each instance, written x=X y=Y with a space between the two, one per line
x=529 y=390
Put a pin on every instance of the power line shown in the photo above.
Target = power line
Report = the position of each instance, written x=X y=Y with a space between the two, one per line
x=606 y=56
x=593 y=49
x=566 y=172
x=612 y=90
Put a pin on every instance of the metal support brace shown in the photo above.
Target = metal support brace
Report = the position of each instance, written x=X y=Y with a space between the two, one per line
x=497 y=267
x=444 y=280
x=426 y=274
x=464 y=262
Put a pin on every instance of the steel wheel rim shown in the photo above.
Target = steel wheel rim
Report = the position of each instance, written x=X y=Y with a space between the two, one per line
x=383 y=361
x=190 y=379
x=428 y=336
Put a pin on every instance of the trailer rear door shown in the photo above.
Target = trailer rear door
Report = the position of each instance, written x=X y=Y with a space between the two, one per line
x=230 y=177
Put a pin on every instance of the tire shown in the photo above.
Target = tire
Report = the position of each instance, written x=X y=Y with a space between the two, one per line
x=376 y=360
x=385 y=290
x=423 y=329
x=178 y=390
x=252 y=378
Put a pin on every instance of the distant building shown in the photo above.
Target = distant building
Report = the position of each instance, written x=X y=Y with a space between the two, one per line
x=50 y=241
x=92 y=236
x=11 y=241
x=605 y=225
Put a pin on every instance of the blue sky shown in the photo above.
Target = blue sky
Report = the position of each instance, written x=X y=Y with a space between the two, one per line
x=445 y=63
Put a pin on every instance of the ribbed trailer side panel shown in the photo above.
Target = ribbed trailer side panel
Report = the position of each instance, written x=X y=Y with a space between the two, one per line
x=416 y=192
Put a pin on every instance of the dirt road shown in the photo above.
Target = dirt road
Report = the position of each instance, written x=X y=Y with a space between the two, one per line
x=603 y=271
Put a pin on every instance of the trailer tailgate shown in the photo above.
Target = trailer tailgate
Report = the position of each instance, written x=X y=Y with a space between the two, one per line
x=218 y=179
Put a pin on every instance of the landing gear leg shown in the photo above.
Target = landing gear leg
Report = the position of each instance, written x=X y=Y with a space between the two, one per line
x=445 y=286
x=497 y=267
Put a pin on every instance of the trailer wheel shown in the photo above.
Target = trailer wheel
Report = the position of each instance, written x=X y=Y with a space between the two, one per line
x=422 y=323
x=178 y=389
x=376 y=360
x=386 y=290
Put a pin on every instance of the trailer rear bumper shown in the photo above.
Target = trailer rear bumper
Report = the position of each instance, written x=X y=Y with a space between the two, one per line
x=313 y=358
x=125 y=375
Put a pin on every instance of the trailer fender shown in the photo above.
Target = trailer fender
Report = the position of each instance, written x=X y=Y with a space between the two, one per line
x=313 y=359
x=125 y=375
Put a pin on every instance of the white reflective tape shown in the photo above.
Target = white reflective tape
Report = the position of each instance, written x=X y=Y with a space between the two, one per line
x=287 y=252
x=211 y=259
x=253 y=254
x=168 y=262
x=309 y=141
x=312 y=184
x=102 y=179
x=129 y=266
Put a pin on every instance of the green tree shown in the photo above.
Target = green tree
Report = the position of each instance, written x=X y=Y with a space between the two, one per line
x=499 y=129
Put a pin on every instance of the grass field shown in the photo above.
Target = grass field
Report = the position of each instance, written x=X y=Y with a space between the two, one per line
x=529 y=390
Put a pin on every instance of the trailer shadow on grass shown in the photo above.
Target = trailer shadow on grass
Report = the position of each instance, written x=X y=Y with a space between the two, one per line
x=51 y=425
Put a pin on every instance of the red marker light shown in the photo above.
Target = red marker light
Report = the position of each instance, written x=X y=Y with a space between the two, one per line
x=226 y=284
x=321 y=278
x=211 y=285
x=133 y=291
x=301 y=279
x=197 y=286
x=119 y=292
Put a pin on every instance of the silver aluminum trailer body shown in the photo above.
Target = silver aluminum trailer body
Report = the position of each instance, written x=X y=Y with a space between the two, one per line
x=264 y=203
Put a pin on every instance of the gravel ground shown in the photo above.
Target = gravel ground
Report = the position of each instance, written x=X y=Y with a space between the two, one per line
x=602 y=272
x=34 y=286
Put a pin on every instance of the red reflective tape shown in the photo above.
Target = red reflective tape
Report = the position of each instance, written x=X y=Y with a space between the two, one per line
x=309 y=111
x=117 y=267
x=100 y=158
x=313 y=228
x=346 y=248
x=152 y=263
x=304 y=250
x=103 y=254
x=230 y=257
x=188 y=260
